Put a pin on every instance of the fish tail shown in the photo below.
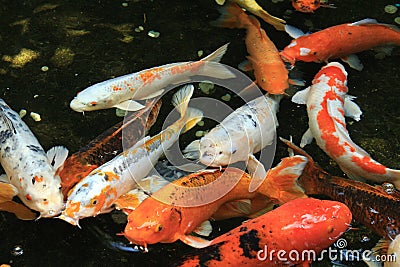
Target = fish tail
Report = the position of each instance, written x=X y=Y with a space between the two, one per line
x=190 y=116
x=281 y=183
x=232 y=16
x=278 y=23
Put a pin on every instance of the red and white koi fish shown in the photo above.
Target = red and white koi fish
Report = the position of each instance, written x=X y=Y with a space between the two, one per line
x=256 y=9
x=121 y=92
x=327 y=105
x=300 y=225
x=244 y=132
x=97 y=192
x=28 y=167
x=340 y=41
x=269 y=69
x=309 y=6
x=172 y=213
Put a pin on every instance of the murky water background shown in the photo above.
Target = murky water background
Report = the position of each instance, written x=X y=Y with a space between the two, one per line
x=84 y=42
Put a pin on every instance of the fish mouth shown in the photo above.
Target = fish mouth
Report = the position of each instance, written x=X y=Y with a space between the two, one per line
x=73 y=221
x=76 y=105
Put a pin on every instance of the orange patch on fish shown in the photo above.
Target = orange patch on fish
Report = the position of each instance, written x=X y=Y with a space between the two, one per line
x=369 y=165
x=72 y=209
x=38 y=179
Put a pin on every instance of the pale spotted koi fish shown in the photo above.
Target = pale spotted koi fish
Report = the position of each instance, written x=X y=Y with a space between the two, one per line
x=97 y=192
x=28 y=167
x=121 y=92
x=327 y=105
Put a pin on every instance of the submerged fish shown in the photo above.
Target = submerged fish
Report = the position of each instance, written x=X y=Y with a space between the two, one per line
x=256 y=9
x=309 y=6
x=327 y=105
x=97 y=192
x=340 y=41
x=107 y=145
x=177 y=209
x=244 y=132
x=269 y=70
x=28 y=167
x=301 y=225
x=7 y=192
x=121 y=92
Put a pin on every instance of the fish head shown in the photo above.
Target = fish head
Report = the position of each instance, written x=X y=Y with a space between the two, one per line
x=306 y=6
x=153 y=225
x=43 y=193
x=215 y=152
x=92 y=98
x=90 y=197
x=274 y=81
x=335 y=76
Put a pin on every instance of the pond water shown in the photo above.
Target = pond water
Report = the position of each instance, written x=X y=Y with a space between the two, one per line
x=50 y=50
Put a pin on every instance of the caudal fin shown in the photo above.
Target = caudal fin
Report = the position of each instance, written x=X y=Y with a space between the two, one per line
x=232 y=16
x=281 y=182
x=278 y=23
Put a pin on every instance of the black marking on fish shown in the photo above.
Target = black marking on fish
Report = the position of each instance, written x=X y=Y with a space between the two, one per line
x=243 y=229
x=252 y=120
x=250 y=242
x=35 y=148
x=8 y=122
x=33 y=180
x=4 y=135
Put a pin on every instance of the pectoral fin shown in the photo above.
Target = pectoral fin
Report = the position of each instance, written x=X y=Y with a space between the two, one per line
x=351 y=109
x=257 y=172
x=353 y=61
x=301 y=96
x=131 y=200
x=19 y=210
x=153 y=95
x=192 y=151
x=194 y=241
x=204 y=229
x=56 y=156
x=129 y=105
x=307 y=138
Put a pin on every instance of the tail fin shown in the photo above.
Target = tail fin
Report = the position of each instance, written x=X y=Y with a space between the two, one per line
x=281 y=183
x=232 y=16
x=193 y=116
x=278 y=23
x=181 y=99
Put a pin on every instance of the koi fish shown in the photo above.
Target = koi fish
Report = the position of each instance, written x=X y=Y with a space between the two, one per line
x=367 y=203
x=97 y=192
x=244 y=132
x=28 y=167
x=98 y=151
x=254 y=8
x=340 y=41
x=300 y=225
x=269 y=70
x=327 y=105
x=177 y=209
x=121 y=92
x=309 y=6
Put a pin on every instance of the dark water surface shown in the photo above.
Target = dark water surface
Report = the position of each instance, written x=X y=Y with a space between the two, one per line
x=84 y=42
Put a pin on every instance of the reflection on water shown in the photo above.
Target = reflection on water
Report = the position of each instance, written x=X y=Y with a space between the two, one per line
x=50 y=50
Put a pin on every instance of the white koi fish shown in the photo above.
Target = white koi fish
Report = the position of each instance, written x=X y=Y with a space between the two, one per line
x=97 y=192
x=327 y=105
x=244 y=132
x=121 y=92
x=28 y=167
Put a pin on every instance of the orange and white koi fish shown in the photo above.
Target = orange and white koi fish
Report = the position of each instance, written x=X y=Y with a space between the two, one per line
x=340 y=41
x=300 y=225
x=28 y=167
x=256 y=9
x=97 y=192
x=309 y=6
x=97 y=152
x=327 y=105
x=177 y=209
x=121 y=92
x=269 y=69
x=244 y=132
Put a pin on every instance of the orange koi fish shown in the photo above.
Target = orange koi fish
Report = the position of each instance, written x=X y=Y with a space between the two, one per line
x=256 y=9
x=340 y=41
x=98 y=151
x=269 y=69
x=300 y=225
x=327 y=105
x=309 y=6
x=177 y=209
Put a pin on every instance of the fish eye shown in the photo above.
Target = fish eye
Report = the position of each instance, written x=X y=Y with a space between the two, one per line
x=158 y=228
x=316 y=2
x=93 y=201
